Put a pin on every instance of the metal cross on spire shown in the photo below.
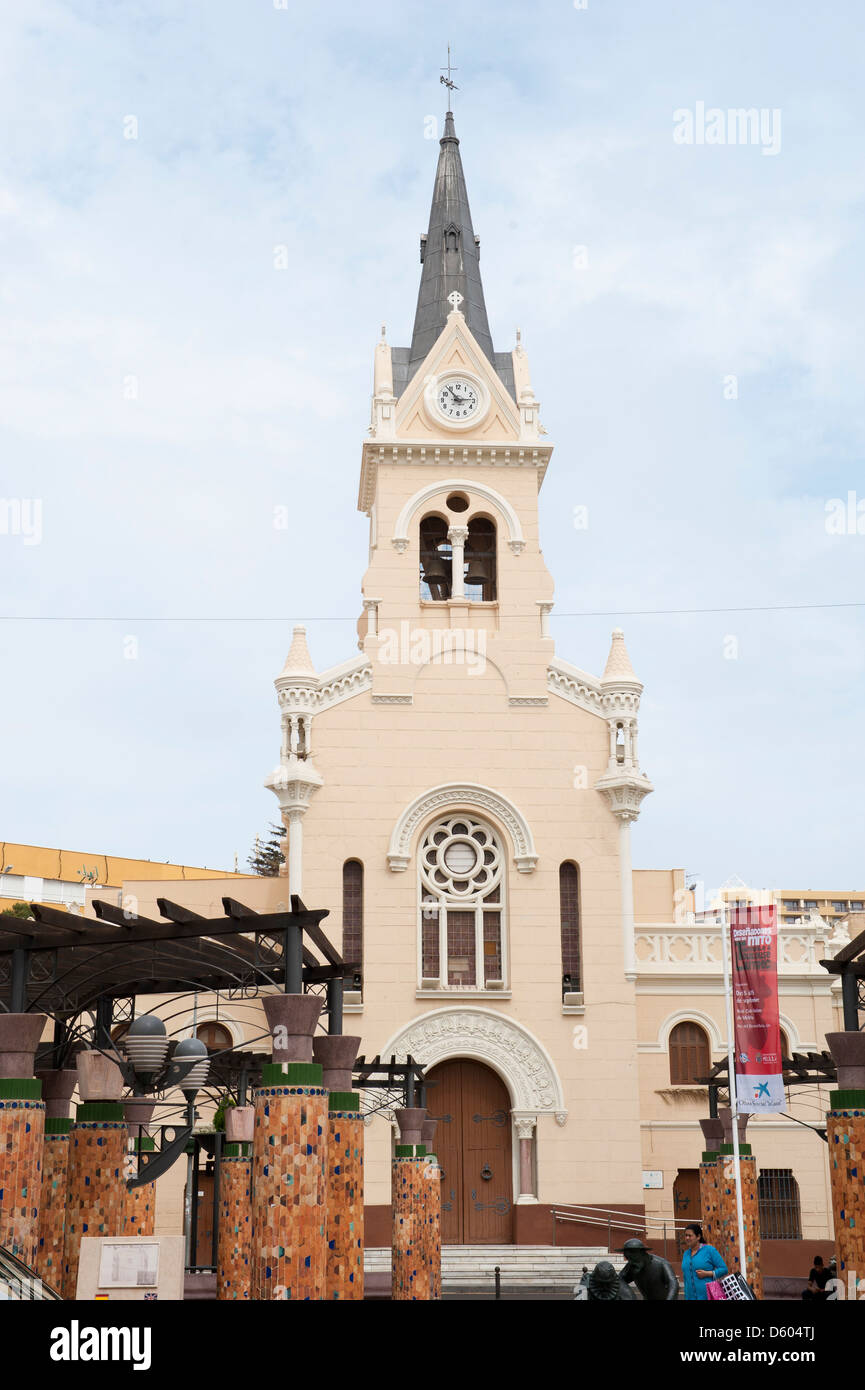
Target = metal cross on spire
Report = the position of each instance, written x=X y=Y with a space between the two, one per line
x=451 y=86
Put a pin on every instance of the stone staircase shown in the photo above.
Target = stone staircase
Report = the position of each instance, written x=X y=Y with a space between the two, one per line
x=522 y=1266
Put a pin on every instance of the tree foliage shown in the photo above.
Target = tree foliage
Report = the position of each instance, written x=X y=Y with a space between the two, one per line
x=267 y=854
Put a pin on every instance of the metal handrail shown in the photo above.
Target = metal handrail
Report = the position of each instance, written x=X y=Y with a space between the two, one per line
x=628 y=1221
x=22 y=1283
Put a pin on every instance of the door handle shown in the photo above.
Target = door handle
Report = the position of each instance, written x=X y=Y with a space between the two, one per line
x=486 y=1172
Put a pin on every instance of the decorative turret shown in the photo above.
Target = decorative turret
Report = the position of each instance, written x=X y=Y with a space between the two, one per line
x=295 y=780
x=623 y=783
x=296 y=688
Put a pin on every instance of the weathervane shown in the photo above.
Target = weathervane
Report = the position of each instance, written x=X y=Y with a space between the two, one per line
x=451 y=86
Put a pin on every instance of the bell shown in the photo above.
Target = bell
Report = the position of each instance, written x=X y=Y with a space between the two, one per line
x=480 y=570
x=435 y=570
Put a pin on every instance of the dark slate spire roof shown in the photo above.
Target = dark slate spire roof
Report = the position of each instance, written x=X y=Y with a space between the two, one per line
x=451 y=261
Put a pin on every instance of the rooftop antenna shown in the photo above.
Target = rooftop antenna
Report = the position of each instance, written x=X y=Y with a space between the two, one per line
x=446 y=81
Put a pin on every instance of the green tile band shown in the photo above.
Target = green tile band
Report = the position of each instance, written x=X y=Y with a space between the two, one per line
x=343 y=1100
x=744 y=1150
x=847 y=1100
x=292 y=1074
x=99 y=1110
x=420 y=1150
x=404 y=1151
x=144 y=1144
x=239 y=1150
x=57 y=1125
x=709 y=1156
x=20 y=1088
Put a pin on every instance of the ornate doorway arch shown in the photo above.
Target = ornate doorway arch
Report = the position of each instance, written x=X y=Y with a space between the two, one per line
x=485 y=1035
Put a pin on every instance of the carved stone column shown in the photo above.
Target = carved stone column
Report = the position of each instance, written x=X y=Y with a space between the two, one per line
x=524 y=1131
x=458 y=535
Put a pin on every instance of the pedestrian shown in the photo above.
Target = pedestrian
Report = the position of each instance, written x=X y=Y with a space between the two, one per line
x=701 y=1263
x=817 y=1281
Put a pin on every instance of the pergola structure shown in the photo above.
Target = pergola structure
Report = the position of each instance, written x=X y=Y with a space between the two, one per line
x=87 y=975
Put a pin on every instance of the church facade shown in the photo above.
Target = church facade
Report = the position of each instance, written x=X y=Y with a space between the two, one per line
x=459 y=795
x=464 y=792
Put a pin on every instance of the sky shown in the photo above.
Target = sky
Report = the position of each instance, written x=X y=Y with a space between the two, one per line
x=692 y=314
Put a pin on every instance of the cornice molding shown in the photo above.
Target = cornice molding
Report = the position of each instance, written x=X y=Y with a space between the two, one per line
x=423 y=454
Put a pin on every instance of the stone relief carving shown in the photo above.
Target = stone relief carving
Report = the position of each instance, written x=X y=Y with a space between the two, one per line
x=489 y=1037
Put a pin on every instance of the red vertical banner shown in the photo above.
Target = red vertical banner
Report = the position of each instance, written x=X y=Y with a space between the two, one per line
x=757 y=1035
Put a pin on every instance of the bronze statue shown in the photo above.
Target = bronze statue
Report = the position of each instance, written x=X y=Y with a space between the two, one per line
x=652 y=1275
x=603 y=1285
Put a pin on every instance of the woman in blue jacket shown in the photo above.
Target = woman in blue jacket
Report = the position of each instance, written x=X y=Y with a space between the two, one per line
x=701 y=1263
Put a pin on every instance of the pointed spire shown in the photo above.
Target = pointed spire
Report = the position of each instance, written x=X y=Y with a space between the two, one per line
x=298 y=668
x=618 y=667
x=451 y=258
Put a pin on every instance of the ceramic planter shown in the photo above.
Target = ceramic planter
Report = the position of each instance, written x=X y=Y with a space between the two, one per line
x=336 y=1053
x=292 y=1019
x=57 y=1088
x=848 y=1054
x=19 y=1039
x=239 y=1124
x=98 y=1077
x=410 y=1123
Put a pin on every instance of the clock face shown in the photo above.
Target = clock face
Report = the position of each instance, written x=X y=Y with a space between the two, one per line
x=457 y=398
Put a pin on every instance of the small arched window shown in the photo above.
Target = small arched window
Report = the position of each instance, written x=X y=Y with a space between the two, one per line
x=569 y=915
x=690 y=1057
x=352 y=917
x=215 y=1036
x=480 y=554
x=435 y=559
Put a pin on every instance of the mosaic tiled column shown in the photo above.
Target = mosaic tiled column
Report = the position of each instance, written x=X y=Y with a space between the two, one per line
x=52 y=1204
x=845 y=1129
x=140 y=1208
x=289 y=1159
x=709 y=1197
x=713 y=1135
x=433 y=1209
x=234 y=1239
x=337 y=1053
x=410 y=1269
x=344 y=1197
x=22 y=1127
x=727 y=1241
x=57 y=1088
x=96 y=1181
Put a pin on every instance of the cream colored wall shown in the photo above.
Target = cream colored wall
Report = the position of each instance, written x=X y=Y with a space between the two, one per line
x=375 y=760
x=671 y=1135
x=660 y=895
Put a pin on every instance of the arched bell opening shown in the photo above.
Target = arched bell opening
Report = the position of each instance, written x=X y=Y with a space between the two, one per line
x=435 y=559
x=480 y=555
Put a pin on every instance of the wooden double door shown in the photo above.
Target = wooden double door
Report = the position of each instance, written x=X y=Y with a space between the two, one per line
x=473 y=1145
